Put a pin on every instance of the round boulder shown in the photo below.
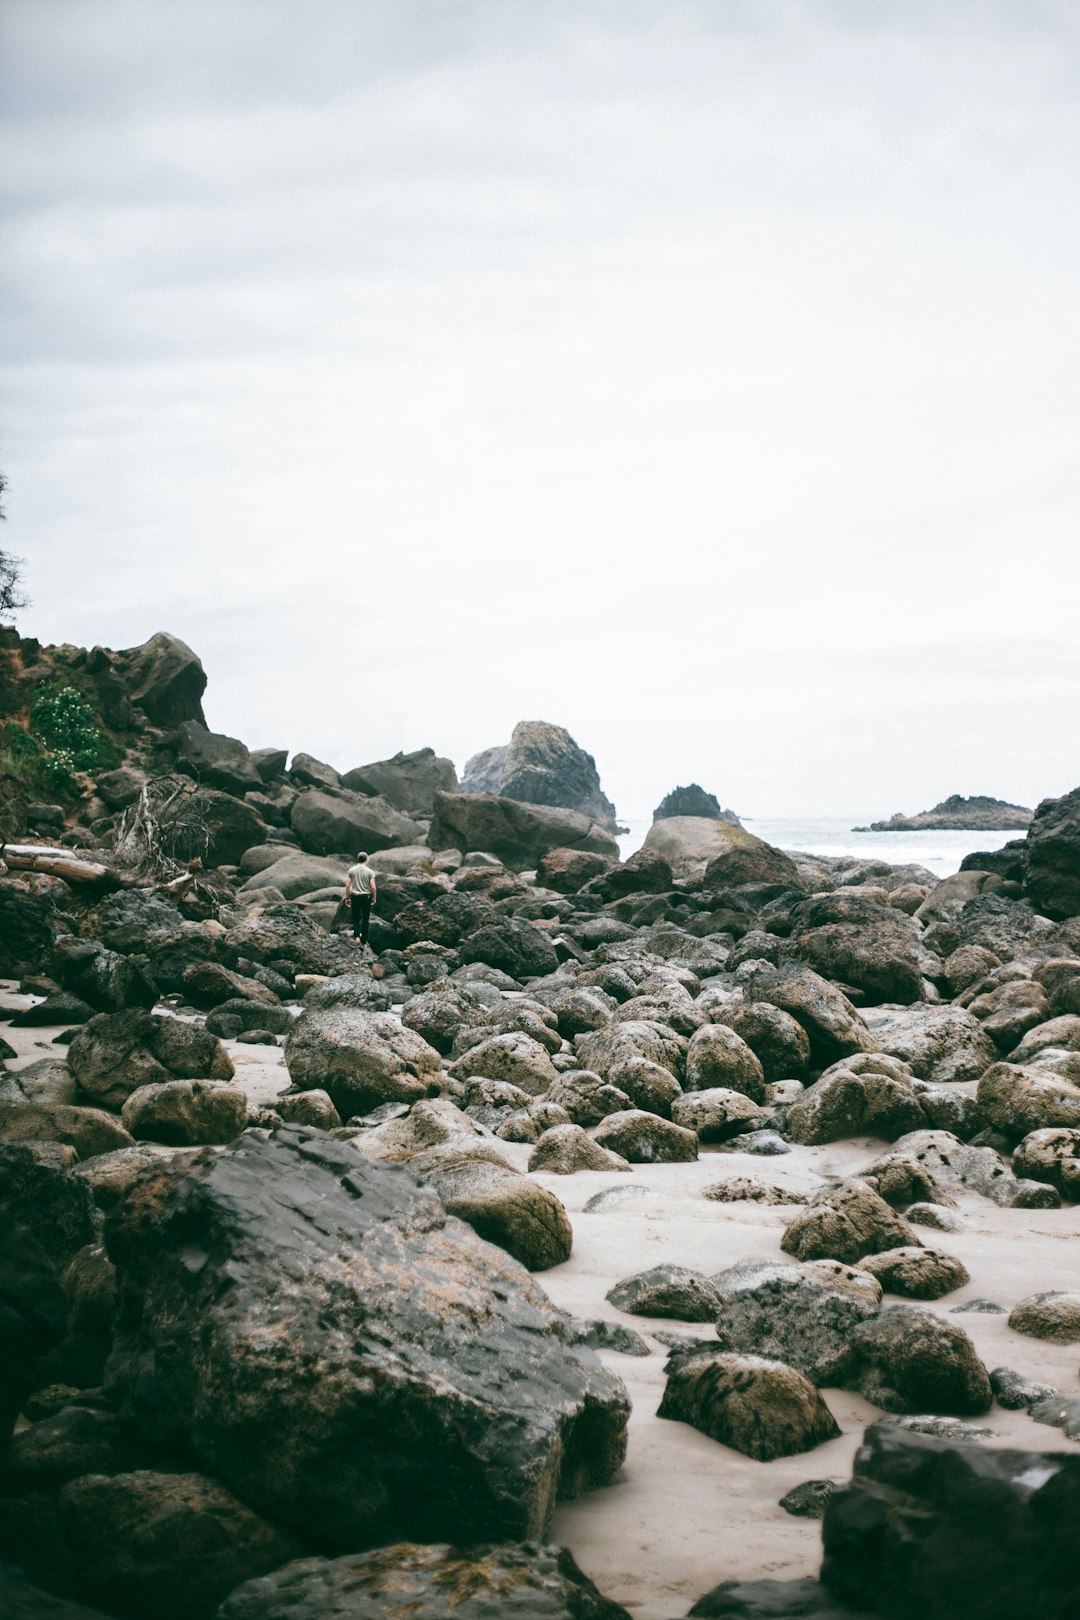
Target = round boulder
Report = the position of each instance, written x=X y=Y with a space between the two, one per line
x=916 y=1273
x=717 y=1056
x=762 y=1408
x=1052 y=1315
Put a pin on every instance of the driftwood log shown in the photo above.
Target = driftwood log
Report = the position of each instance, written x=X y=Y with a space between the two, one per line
x=60 y=863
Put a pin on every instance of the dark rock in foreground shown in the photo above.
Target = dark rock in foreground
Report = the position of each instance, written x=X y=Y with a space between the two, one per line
x=929 y=1530
x=317 y=1333
x=427 y=1583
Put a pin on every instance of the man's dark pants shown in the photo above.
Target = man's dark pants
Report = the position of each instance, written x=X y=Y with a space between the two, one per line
x=360 y=905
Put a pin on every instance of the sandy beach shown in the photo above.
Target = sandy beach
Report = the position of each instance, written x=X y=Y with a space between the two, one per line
x=687 y=1512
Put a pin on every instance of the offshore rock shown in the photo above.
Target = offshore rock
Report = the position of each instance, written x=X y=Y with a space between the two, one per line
x=373 y=1369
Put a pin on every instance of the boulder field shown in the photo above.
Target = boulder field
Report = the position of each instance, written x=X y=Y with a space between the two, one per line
x=566 y=1254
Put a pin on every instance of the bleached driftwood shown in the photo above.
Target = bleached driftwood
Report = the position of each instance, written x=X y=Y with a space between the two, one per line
x=60 y=863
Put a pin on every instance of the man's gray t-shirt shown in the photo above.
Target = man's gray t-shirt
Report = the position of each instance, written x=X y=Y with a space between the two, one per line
x=361 y=877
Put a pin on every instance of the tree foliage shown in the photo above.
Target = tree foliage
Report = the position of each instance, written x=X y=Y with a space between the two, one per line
x=12 y=595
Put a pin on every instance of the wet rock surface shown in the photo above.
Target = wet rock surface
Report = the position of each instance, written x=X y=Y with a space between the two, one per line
x=306 y=1367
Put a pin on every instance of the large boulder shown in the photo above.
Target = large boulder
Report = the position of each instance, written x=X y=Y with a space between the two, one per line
x=762 y=1408
x=513 y=1057
x=330 y=821
x=88 y=1130
x=513 y=946
x=104 y=979
x=845 y=1223
x=917 y=1273
x=834 y=1028
x=165 y=680
x=934 y=1528
x=116 y=1053
x=865 y=1095
x=209 y=984
x=856 y=941
x=483 y=771
x=667 y=1291
x=518 y=834
x=1018 y=1100
x=185 y=1113
x=1052 y=857
x=361 y=1059
x=170 y=1545
x=940 y=1044
x=294 y=874
x=32 y=1310
x=544 y=765
x=911 y=1360
x=232 y=826
x=778 y=1040
x=408 y=781
x=372 y=1369
x=717 y=1056
x=1052 y=1156
x=28 y=929
x=690 y=843
x=40 y=1191
x=214 y=759
x=802 y=1314
x=758 y=862
x=426 y=1583
x=568 y=870
x=715 y=1114
x=510 y=1210
x=604 y=1051
x=644 y=1138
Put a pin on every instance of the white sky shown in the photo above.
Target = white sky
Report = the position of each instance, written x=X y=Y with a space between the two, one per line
x=703 y=377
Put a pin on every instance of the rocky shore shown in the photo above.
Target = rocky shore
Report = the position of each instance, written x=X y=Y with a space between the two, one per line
x=690 y=1234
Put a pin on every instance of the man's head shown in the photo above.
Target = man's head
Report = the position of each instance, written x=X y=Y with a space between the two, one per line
x=361 y=858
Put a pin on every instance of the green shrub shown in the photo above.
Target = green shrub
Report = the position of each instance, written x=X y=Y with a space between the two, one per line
x=66 y=724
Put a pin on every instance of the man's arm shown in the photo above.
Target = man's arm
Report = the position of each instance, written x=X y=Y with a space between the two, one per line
x=374 y=889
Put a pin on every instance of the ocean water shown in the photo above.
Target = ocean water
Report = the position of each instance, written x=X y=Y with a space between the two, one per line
x=940 y=852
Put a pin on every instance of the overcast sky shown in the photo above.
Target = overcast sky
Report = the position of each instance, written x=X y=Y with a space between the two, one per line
x=704 y=377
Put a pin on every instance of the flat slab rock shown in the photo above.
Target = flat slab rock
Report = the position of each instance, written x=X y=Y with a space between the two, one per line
x=353 y=1362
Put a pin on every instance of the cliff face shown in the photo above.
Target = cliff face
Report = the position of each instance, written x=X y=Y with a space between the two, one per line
x=978 y=813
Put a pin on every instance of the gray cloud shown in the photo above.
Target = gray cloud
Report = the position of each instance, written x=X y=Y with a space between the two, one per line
x=701 y=376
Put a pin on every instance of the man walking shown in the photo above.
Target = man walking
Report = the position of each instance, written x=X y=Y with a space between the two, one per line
x=361 y=892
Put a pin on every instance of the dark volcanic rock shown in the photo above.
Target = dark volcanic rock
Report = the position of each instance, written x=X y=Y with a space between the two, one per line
x=167 y=1545
x=372 y=1370
x=27 y=929
x=331 y=821
x=116 y=1053
x=803 y=1315
x=1052 y=857
x=32 y=1310
x=911 y=1360
x=427 y=1583
x=41 y=1193
x=166 y=680
x=105 y=980
x=214 y=759
x=934 y=1529
x=774 y=1600
x=693 y=801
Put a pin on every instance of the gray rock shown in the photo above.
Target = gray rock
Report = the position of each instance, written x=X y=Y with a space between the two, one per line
x=616 y=1197
x=332 y=821
x=846 y=1223
x=1053 y=1315
x=518 y=834
x=165 y=680
x=717 y=1056
x=956 y=1164
x=506 y=1209
x=1053 y=1156
x=1016 y=1393
x=458 y=1371
x=807 y=1501
x=849 y=1101
x=910 y=1360
x=717 y=1114
x=116 y=1053
x=916 y=1273
x=667 y=1291
x=803 y=1314
x=214 y=759
x=360 y=1059
x=1019 y=1100
x=941 y=1044
x=644 y=1138
x=565 y=1149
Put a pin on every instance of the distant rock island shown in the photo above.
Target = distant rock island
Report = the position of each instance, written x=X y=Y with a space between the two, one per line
x=957 y=814
x=693 y=801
